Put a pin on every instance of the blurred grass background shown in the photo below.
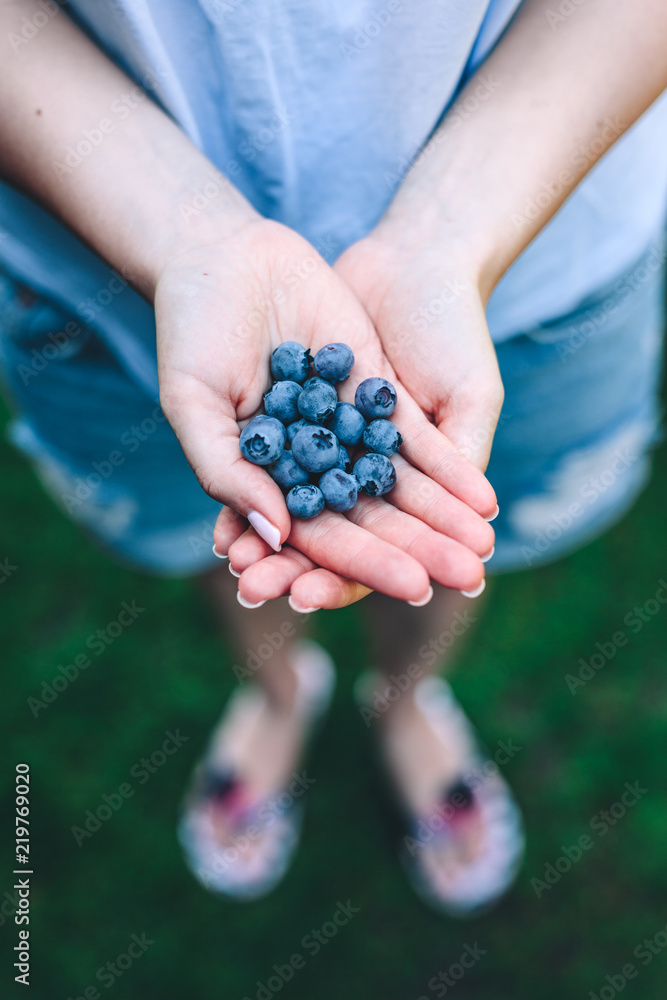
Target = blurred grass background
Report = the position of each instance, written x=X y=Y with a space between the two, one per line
x=168 y=671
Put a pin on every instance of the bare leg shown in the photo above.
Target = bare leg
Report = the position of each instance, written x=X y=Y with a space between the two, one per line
x=262 y=735
x=411 y=643
x=274 y=627
x=427 y=636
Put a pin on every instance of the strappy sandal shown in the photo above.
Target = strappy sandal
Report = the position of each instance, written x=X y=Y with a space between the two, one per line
x=218 y=791
x=478 y=804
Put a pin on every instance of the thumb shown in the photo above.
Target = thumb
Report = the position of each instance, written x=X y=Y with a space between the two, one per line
x=470 y=417
x=206 y=426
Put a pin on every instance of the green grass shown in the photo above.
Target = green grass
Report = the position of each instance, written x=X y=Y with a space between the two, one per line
x=168 y=671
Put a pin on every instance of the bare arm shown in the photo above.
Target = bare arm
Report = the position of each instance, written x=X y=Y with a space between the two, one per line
x=125 y=198
x=557 y=94
x=222 y=283
x=563 y=92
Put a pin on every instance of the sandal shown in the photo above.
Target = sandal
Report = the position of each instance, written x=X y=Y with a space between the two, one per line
x=477 y=808
x=218 y=791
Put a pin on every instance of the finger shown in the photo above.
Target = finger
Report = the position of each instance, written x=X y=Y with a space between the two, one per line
x=427 y=448
x=311 y=587
x=336 y=544
x=472 y=427
x=207 y=429
x=420 y=496
x=248 y=549
x=273 y=576
x=446 y=560
x=321 y=588
x=228 y=527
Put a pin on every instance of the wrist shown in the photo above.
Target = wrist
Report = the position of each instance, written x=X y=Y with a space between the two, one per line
x=204 y=213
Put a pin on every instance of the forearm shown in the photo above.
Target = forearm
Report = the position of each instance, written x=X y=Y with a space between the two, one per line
x=131 y=197
x=557 y=96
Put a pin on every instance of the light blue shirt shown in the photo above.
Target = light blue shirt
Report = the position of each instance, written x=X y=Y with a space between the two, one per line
x=315 y=109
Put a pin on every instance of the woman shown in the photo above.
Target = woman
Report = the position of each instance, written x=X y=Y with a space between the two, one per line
x=359 y=174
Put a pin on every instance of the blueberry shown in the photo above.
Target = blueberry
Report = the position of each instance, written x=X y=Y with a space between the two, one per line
x=314 y=380
x=317 y=402
x=280 y=401
x=287 y=472
x=339 y=489
x=382 y=437
x=262 y=440
x=334 y=362
x=305 y=501
x=375 y=474
x=290 y=361
x=315 y=449
x=347 y=423
x=344 y=461
x=375 y=397
x=296 y=426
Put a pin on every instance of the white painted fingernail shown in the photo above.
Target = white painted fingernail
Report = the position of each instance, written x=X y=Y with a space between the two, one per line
x=246 y=604
x=300 y=611
x=424 y=600
x=265 y=529
x=219 y=556
x=476 y=592
x=488 y=554
x=233 y=571
x=494 y=515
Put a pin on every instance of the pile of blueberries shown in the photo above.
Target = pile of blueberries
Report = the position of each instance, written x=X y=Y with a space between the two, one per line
x=303 y=437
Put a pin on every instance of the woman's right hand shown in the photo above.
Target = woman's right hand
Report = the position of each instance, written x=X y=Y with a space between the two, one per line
x=221 y=309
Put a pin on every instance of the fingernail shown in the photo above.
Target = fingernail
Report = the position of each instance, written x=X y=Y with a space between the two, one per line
x=494 y=515
x=300 y=611
x=424 y=600
x=218 y=555
x=265 y=529
x=476 y=592
x=233 y=571
x=488 y=554
x=246 y=604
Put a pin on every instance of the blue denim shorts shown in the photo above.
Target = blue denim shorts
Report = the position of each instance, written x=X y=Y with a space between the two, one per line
x=571 y=452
